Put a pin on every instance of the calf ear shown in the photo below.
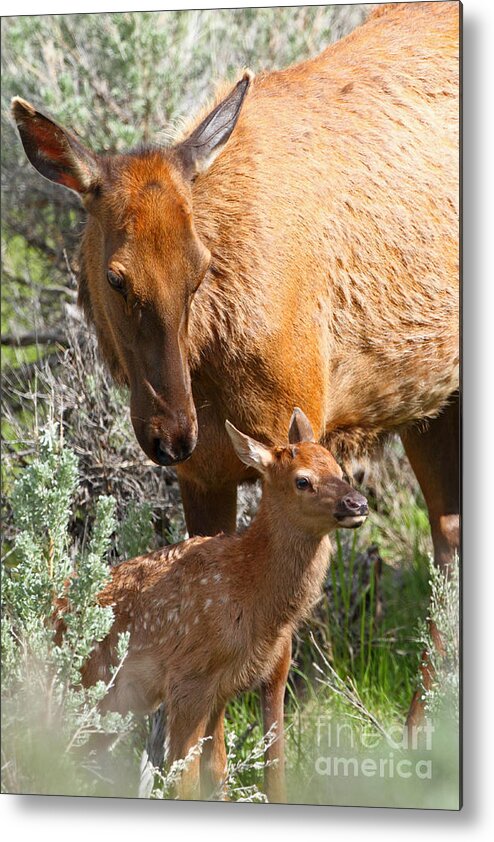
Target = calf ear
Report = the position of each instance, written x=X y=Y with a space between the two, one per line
x=249 y=451
x=200 y=149
x=54 y=152
x=300 y=428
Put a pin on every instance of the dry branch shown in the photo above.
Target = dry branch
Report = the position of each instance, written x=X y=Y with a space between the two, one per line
x=22 y=340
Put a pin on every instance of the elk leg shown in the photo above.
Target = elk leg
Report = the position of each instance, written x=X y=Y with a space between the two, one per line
x=213 y=757
x=207 y=512
x=434 y=454
x=183 y=737
x=272 y=699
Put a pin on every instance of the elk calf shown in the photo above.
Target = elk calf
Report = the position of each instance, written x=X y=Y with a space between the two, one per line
x=209 y=617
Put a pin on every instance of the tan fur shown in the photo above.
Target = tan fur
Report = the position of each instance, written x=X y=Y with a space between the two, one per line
x=208 y=618
x=352 y=191
x=330 y=220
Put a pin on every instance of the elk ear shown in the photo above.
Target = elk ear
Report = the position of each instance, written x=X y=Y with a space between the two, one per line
x=249 y=451
x=199 y=150
x=300 y=428
x=55 y=153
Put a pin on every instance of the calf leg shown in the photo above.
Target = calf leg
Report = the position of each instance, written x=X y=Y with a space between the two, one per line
x=272 y=699
x=213 y=757
x=185 y=733
x=207 y=512
x=434 y=454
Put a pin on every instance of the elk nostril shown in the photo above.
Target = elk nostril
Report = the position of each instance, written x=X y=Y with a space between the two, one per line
x=183 y=449
x=161 y=454
x=172 y=454
x=351 y=502
x=355 y=503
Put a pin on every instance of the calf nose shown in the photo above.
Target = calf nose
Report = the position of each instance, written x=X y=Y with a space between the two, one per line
x=355 y=504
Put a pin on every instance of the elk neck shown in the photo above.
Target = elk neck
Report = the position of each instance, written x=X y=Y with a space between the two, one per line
x=286 y=565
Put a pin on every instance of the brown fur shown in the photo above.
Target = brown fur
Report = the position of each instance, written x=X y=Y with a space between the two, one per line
x=210 y=617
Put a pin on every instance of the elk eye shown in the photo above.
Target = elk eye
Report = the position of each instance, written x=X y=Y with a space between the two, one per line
x=302 y=483
x=116 y=281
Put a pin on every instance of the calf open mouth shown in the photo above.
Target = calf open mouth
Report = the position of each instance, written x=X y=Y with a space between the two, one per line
x=351 y=521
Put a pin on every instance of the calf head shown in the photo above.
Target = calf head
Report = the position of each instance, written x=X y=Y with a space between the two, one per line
x=303 y=479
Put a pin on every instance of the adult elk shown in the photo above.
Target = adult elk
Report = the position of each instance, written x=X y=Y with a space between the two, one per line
x=299 y=246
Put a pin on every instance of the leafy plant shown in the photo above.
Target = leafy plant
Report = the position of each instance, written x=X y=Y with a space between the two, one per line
x=44 y=706
x=443 y=644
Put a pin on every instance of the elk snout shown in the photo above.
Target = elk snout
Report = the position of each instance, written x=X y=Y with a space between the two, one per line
x=172 y=440
x=171 y=451
x=167 y=438
x=352 y=510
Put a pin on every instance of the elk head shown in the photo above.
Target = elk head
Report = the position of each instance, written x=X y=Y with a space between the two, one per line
x=303 y=480
x=141 y=260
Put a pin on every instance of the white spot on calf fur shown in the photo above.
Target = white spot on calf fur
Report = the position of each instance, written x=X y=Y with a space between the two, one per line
x=204 y=581
x=207 y=604
x=217 y=577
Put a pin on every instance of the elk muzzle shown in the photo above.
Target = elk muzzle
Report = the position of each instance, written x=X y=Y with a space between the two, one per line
x=165 y=430
x=351 y=510
x=167 y=440
x=174 y=445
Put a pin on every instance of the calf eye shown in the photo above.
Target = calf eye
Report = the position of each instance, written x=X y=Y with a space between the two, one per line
x=302 y=483
x=116 y=281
